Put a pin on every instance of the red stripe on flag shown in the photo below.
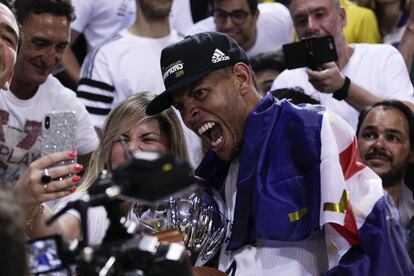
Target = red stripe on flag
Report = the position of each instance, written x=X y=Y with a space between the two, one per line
x=350 y=161
x=349 y=231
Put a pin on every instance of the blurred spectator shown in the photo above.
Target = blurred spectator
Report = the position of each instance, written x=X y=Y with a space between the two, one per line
x=12 y=238
x=100 y=19
x=8 y=45
x=266 y=68
x=392 y=17
x=361 y=24
x=256 y=28
x=295 y=95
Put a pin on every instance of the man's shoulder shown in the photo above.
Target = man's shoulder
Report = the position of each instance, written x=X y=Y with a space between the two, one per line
x=53 y=85
x=57 y=94
x=123 y=37
x=366 y=50
x=272 y=10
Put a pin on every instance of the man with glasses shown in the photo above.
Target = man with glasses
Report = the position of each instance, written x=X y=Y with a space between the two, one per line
x=257 y=28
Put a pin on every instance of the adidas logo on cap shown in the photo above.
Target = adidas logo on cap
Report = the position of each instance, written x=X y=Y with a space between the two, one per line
x=219 y=56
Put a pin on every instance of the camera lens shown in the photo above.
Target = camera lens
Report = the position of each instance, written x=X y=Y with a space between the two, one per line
x=47 y=122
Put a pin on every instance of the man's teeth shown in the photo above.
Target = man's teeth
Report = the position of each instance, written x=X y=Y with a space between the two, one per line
x=205 y=127
x=217 y=142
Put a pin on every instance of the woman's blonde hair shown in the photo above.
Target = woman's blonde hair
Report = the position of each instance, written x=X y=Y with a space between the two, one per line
x=121 y=119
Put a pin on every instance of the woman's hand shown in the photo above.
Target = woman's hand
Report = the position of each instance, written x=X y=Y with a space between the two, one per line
x=32 y=191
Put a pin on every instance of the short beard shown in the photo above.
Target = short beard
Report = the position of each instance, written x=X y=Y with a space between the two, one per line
x=149 y=12
x=393 y=177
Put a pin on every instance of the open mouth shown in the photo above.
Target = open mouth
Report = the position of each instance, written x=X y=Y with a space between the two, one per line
x=213 y=133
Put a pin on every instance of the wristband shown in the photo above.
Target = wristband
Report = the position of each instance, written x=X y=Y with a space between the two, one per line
x=342 y=92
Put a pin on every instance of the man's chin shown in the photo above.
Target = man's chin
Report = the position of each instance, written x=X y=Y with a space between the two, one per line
x=40 y=79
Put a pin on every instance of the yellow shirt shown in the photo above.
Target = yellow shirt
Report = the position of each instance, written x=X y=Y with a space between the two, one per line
x=362 y=25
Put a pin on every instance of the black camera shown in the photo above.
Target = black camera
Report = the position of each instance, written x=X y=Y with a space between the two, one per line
x=148 y=177
x=310 y=52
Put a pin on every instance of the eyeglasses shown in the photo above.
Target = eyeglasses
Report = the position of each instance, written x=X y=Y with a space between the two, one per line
x=238 y=17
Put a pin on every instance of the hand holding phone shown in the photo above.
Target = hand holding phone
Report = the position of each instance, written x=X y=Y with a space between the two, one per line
x=310 y=52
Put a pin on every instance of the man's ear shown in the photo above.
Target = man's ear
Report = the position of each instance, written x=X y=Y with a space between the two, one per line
x=343 y=17
x=256 y=14
x=7 y=83
x=411 y=157
x=242 y=77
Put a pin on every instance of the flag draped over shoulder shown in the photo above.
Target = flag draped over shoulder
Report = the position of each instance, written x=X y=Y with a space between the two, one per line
x=298 y=172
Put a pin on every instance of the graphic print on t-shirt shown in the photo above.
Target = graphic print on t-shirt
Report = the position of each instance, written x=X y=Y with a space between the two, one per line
x=18 y=147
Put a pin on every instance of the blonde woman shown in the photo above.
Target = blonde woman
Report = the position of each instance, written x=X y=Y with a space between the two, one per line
x=127 y=126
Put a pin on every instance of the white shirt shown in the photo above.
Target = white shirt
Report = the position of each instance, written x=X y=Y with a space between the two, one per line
x=268 y=258
x=99 y=19
x=22 y=121
x=405 y=210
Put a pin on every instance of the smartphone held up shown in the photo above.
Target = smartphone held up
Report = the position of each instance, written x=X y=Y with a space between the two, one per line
x=310 y=52
x=59 y=134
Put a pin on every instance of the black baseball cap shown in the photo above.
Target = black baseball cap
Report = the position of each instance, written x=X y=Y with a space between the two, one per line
x=191 y=59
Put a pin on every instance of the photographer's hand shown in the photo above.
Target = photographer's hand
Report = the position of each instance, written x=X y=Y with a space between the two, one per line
x=328 y=80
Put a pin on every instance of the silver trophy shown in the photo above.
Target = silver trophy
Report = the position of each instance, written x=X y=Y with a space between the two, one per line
x=196 y=215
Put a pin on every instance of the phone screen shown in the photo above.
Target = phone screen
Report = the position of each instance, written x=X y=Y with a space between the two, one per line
x=44 y=255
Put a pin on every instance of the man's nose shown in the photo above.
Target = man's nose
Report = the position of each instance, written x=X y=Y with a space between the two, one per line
x=311 y=27
x=190 y=113
x=52 y=57
x=380 y=142
x=134 y=146
x=228 y=23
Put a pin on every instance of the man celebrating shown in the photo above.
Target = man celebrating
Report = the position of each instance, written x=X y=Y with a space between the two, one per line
x=386 y=141
x=364 y=73
x=289 y=174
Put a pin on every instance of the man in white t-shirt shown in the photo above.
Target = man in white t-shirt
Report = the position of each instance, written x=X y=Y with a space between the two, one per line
x=364 y=73
x=256 y=28
x=100 y=19
x=34 y=92
x=128 y=63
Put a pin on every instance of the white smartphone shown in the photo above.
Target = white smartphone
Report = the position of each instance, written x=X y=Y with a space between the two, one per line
x=59 y=134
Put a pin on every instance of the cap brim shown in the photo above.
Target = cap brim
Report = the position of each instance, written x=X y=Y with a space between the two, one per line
x=165 y=100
